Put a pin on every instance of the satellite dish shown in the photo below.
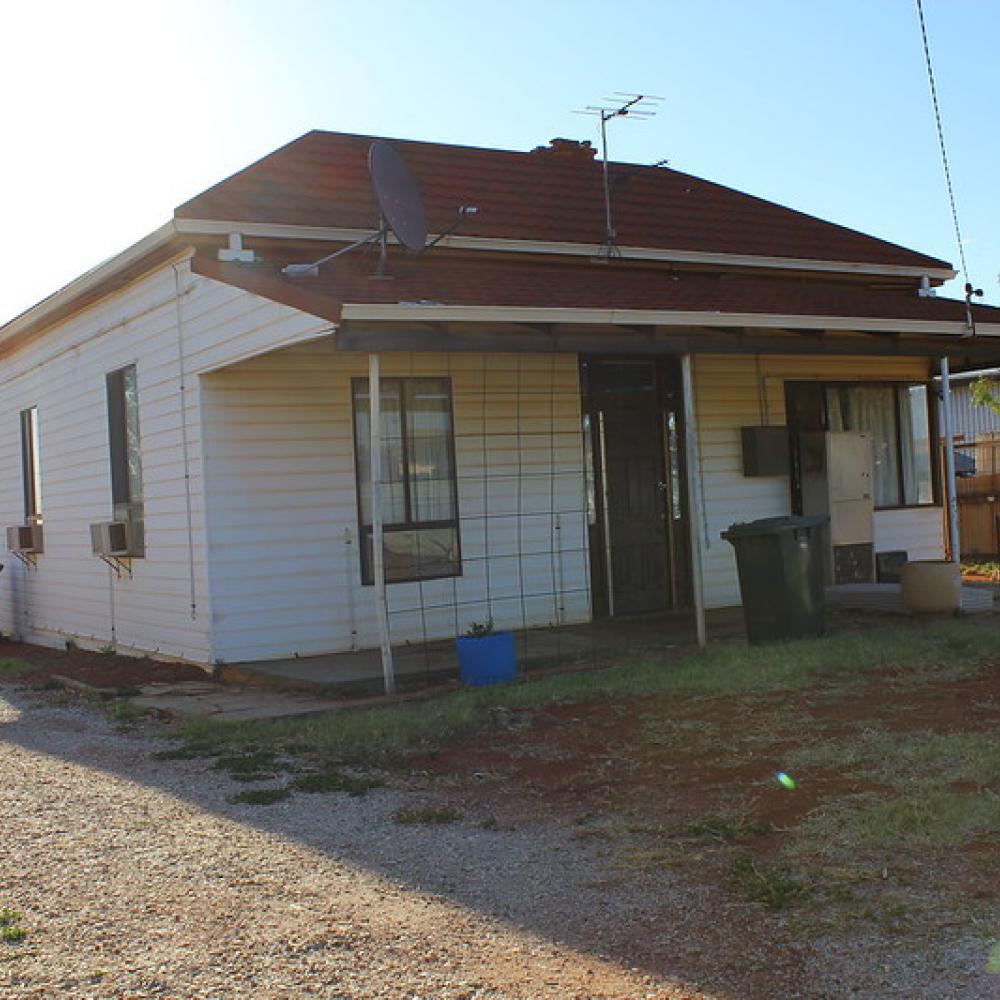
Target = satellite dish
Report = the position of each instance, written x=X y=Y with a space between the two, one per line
x=401 y=210
x=397 y=195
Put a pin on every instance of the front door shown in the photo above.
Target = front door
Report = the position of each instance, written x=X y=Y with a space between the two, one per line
x=636 y=536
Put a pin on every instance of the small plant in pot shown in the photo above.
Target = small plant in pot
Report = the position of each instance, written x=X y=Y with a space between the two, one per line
x=486 y=656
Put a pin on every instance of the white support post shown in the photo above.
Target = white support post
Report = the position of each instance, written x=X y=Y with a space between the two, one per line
x=378 y=562
x=949 y=462
x=694 y=498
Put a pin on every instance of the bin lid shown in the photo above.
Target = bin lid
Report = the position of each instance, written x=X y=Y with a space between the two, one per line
x=773 y=525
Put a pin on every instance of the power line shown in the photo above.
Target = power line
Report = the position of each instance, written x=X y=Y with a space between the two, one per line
x=941 y=142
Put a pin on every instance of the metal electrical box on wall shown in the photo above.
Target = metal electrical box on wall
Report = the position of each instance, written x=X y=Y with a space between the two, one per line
x=836 y=474
x=765 y=451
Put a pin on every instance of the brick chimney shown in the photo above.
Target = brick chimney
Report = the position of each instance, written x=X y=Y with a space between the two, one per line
x=567 y=149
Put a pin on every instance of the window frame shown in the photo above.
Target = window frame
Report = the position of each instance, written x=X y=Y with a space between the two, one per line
x=896 y=385
x=31 y=475
x=124 y=504
x=365 y=530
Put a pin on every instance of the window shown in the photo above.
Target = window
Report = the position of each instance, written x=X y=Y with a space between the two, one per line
x=418 y=494
x=30 y=475
x=126 y=460
x=897 y=418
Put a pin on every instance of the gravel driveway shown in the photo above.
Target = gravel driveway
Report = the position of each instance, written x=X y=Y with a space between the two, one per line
x=136 y=878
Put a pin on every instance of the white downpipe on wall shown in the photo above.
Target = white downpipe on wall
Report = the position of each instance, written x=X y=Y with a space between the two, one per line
x=694 y=498
x=949 y=462
x=378 y=562
x=185 y=449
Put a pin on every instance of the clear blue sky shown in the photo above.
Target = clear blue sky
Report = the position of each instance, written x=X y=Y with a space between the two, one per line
x=117 y=112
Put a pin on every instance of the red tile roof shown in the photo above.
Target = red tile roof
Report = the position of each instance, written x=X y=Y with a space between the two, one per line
x=446 y=278
x=321 y=179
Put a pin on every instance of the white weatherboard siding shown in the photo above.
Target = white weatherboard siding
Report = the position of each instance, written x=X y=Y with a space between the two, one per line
x=249 y=486
x=72 y=594
x=282 y=507
x=732 y=391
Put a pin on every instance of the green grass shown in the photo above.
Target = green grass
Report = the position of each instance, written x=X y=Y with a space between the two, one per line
x=774 y=885
x=384 y=736
x=186 y=751
x=122 y=711
x=260 y=796
x=993 y=962
x=935 y=819
x=335 y=781
x=13 y=668
x=907 y=760
x=10 y=930
x=427 y=816
x=924 y=804
x=987 y=567
x=721 y=828
x=254 y=765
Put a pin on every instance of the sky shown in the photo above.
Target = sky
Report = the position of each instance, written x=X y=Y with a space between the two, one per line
x=115 y=113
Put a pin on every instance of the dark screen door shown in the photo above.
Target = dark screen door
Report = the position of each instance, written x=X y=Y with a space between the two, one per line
x=627 y=415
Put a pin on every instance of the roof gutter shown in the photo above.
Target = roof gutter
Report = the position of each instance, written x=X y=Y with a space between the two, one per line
x=278 y=230
x=430 y=313
x=62 y=301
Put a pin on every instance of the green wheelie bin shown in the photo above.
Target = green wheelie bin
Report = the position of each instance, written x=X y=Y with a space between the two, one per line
x=780 y=563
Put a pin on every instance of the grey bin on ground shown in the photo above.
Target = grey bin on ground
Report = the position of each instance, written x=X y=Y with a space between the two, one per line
x=780 y=565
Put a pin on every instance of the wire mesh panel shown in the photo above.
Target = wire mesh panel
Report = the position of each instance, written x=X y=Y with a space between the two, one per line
x=488 y=509
x=519 y=491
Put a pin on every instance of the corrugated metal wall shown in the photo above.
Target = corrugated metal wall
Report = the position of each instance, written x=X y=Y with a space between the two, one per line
x=970 y=421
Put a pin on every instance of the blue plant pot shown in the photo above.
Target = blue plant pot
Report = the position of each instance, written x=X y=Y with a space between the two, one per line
x=487 y=660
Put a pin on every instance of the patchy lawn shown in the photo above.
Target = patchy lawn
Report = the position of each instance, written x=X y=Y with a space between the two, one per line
x=894 y=817
x=891 y=738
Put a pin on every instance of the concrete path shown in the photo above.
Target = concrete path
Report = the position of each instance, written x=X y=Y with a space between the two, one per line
x=206 y=699
x=582 y=645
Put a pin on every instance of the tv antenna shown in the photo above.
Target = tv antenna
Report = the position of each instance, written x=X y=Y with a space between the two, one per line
x=401 y=212
x=619 y=105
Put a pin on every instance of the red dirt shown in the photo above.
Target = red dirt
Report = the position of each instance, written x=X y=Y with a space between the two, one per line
x=668 y=767
x=653 y=781
x=588 y=758
x=99 y=670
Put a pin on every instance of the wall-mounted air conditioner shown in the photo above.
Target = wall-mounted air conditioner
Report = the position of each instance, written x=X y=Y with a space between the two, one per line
x=110 y=538
x=25 y=538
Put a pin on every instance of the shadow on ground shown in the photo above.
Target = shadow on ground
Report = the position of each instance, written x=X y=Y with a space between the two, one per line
x=545 y=876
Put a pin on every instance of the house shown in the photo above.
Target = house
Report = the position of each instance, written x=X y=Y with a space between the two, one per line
x=561 y=417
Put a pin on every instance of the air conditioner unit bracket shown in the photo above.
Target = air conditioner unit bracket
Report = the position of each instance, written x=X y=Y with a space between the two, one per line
x=120 y=564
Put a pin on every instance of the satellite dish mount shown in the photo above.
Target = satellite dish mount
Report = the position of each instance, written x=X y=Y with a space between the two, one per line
x=401 y=211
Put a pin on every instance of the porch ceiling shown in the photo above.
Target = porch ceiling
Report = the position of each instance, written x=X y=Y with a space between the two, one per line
x=488 y=337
